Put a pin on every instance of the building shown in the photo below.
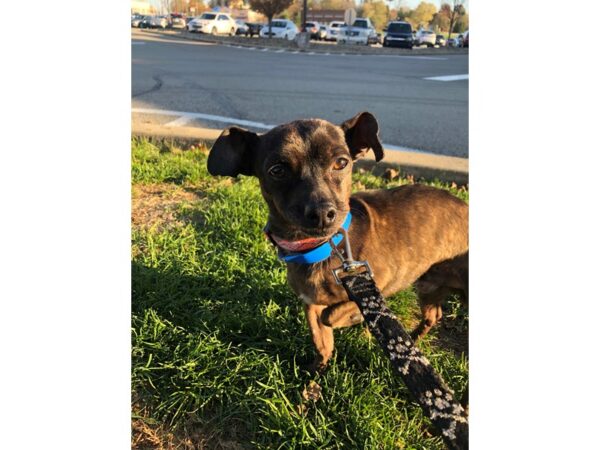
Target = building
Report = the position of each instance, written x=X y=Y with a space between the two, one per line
x=325 y=15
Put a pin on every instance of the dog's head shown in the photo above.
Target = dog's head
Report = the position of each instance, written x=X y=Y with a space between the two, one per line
x=304 y=168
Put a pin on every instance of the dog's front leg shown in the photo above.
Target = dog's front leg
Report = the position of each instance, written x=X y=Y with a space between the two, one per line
x=322 y=336
x=344 y=314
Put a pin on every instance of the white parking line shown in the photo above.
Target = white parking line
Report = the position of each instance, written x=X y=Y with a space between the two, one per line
x=448 y=78
x=186 y=117
x=138 y=43
x=428 y=58
x=181 y=121
x=191 y=116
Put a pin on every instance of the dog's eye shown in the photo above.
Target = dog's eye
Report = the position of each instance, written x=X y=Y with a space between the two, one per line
x=340 y=163
x=277 y=171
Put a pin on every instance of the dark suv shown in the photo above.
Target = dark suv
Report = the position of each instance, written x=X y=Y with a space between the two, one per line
x=398 y=34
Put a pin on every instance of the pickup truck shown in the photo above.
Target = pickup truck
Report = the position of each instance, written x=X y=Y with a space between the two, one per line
x=362 y=32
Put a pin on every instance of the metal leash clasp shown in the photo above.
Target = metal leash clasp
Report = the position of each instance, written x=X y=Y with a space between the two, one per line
x=348 y=266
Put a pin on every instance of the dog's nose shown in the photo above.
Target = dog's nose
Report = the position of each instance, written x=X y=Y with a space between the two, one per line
x=320 y=216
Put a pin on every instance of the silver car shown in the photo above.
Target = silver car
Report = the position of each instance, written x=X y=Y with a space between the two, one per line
x=159 y=22
x=333 y=29
x=242 y=28
x=135 y=20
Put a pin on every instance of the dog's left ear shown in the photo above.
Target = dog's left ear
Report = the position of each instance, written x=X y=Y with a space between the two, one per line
x=361 y=135
x=233 y=153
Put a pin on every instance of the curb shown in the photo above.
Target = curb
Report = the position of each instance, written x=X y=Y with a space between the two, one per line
x=312 y=48
x=429 y=166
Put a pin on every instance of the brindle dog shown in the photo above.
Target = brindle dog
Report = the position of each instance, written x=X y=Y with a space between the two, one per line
x=412 y=234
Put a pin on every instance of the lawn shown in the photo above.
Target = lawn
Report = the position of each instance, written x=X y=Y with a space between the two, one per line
x=219 y=340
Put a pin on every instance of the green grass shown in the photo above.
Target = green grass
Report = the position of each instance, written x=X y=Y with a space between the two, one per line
x=218 y=339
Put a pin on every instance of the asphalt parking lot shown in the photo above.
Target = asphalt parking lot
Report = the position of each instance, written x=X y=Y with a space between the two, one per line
x=421 y=101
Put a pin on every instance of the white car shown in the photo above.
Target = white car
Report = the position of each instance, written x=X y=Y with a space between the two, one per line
x=425 y=37
x=333 y=29
x=280 y=28
x=362 y=32
x=213 y=23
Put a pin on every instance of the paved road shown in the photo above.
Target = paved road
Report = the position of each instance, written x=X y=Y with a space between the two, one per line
x=271 y=88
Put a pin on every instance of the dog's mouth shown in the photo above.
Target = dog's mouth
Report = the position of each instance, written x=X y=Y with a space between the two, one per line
x=303 y=239
x=300 y=245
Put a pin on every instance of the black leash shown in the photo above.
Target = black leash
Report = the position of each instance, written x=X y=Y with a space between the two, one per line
x=426 y=386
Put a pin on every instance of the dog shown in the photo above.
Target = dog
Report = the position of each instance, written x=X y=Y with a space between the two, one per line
x=410 y=235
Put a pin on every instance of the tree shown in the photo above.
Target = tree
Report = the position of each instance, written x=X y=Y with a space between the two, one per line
x=269 y=8
x=457 y=8
x=462 y=23
x=422 y=15
x=403 y=13
x=441 y=19
x=333 y=4
x=165 y=6
x=377 y=11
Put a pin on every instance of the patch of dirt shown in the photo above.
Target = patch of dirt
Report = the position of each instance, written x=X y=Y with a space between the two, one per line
x=453 y=339
x=453 y=331
x=163 y=205
x=147 y=435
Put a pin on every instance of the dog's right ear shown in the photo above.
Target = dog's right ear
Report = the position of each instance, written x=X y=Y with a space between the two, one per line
x=233 y=152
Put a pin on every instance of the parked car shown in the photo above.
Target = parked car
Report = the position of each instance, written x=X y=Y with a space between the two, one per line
x=465 y=42
x=313 y=29
x=459 y=39
x=254 y=28
x=426 y=37
x=176 y=21
x=145 y=22
x=452 y=42
x=333 y=30
x=213 y=23
x=322 y=32
x=159 y=22
x=242 y=28
x=135 y=20
x=398 y=34
x=362 y=32
x=280 y=28
x=440 y=40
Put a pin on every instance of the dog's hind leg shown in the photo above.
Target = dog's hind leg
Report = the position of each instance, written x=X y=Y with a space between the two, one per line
x=434 y=286
x=322 y=336
x=431 y=309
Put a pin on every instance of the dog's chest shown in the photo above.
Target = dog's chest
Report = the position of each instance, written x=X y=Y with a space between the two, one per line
x=314 y=285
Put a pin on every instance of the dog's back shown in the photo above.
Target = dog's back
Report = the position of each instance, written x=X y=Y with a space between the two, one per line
x=410 y=229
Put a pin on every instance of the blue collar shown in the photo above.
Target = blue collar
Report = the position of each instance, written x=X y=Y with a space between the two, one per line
x=317 y=254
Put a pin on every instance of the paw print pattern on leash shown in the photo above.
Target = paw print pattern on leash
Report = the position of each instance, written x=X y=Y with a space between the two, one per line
x=433 y=395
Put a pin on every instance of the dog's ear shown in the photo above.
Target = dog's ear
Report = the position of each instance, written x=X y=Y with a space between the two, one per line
x=361 y=135
x=233 y=152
